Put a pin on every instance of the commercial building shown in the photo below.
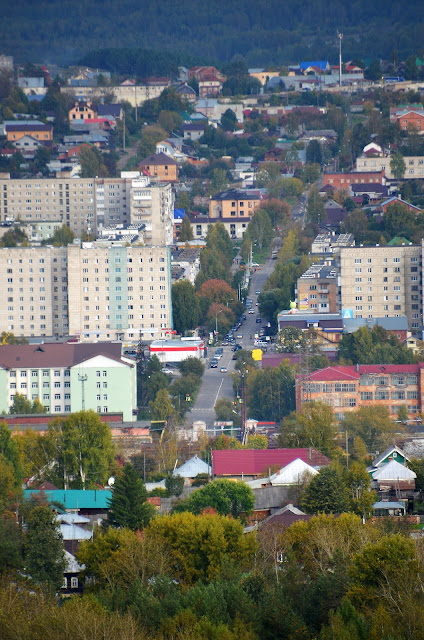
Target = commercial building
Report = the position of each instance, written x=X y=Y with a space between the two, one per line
x=69 y=377
x=347 y=388
x=177 y=350
x=88 y=204
x=116 y=292
x=344 y=180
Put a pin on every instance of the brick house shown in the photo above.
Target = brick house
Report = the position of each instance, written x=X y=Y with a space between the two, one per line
x=347 y=388
x=344 y=180
x=161 y=167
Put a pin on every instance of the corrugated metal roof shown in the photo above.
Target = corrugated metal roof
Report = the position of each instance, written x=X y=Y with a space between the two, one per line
x=292 y=473
x=76 y=498
x=253 y=462
x=192 y=468
x=393 y=471
x=55 y=354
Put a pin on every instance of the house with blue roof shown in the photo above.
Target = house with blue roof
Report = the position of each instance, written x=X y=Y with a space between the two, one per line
x=89 y=502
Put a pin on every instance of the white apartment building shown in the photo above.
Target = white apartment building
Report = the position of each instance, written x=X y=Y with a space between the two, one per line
x=378 y=282
x=414 y=166
x=114 y=292
x=88 y=204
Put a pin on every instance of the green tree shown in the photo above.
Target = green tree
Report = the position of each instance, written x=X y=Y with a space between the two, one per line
x=61 y=237
x=357 y=224
x=225 y=410
x=315 y=211
x=228 y=498
x=219 y=181
x=6 y=337
x=260 y=228
x=326 y=492
x=9 y=486
x=9 y=449
x=21 y=405
x=228 y=120
x=411 y=69
x=81 y=450
x=270 y=392
x=185 y=306
x=313 y=152
x=186 y=232
x=192 y=366
x=174 y=484
x=373 y=425
x=397 y=166
x=399 y=220
x=92 y=164
x=374 y=347
x=161 y=408
x=358 y=481
x=201 y=547
x=44 y=557
x=128 y=506
x=10 y=543
x=314 y=426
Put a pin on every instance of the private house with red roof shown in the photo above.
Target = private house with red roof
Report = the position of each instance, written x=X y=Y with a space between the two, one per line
x=408 y=118
x=347 y=388
x=249 y=464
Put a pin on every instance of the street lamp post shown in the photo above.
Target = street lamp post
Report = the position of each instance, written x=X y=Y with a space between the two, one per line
x=216 y=321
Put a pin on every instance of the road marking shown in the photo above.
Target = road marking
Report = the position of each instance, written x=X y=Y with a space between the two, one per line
x=216 y=397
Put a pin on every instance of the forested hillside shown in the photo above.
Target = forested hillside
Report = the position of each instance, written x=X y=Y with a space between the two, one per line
x=262 y=32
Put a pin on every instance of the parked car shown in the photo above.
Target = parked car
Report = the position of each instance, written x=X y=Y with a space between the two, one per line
x=255 y=264
x=244 y=317
x=169 y=372
x=237 y=347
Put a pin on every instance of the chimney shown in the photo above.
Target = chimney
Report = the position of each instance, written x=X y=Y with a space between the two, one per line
x=357 y=368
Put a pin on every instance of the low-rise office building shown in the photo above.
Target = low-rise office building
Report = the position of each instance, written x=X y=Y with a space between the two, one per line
x=69 y=377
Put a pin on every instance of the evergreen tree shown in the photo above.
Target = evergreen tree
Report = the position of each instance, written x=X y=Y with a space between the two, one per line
x=44 y=557
x=326 y=492
x=128 y=506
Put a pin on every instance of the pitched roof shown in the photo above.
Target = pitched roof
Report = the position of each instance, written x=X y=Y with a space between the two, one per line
x=29 y=127
x=377 y=462
x=352 y=373
x=292 y=473
x=192 y=468
x=336 y=372
x=393 y=470
x=157 y=159
x=55 y=354
x=77 y=498
x=230 y=462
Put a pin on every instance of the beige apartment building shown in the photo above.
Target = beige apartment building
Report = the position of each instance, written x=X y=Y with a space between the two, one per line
x=114 y=292
x=88 y=204
x=382 y=282
x=119 y=292
x=35 y=298
x=414 y=166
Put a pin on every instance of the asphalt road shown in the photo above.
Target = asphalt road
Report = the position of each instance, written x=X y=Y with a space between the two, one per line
x=216 y=385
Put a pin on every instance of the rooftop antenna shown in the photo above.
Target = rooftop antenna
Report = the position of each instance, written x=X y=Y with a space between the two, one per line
x=340 y=37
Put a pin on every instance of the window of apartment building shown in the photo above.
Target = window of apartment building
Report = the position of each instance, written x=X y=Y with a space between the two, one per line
x=412 y=395
x=366 y=395
x=358 y=261
x=397 y=395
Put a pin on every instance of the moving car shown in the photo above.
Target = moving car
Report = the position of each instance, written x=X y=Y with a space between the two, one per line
x=251 y=311
x=258 y=320
x=240 y=336
x=224 y=369
x=257 y=292
x=214 y=364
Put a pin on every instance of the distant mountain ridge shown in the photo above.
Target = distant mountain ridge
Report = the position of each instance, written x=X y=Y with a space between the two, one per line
x=261 y=32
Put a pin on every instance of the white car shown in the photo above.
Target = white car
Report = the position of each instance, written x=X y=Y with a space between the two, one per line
x=251 y=311
x=240 y=336
x=168 y=372
x=255 y=264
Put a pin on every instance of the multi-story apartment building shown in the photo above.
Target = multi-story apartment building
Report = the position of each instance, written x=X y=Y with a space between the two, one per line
x=87 y=204
x=35 y=293
x=115 y=292
x=385 y=281
x=69 y=377
x=119 y=292
x=367 y=282
x=414 y=166
x=347 y=388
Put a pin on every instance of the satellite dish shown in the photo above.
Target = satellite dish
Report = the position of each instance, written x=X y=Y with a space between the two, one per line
x=111 y=481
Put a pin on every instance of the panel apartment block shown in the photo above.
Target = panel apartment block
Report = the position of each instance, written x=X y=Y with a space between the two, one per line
x=87 y=204
x=119 y=292
x=35 y=294
x=385 y=281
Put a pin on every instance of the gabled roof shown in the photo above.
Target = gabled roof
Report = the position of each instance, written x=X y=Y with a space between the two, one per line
x=74 y=532
x=393 y=471
x=377 y=462
x=192 y=468
x=320 y=64
x=337 y=372
x=71 y=564
x=292 y=473
x=252 y=462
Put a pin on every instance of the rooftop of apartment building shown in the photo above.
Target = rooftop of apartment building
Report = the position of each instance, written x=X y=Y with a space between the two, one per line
x=320 y=271
x=353 y=372
x=236 y=194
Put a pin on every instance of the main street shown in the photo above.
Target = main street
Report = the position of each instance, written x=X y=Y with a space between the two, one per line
x=216 y=385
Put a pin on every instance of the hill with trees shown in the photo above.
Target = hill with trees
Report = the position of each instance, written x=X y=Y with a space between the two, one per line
x=262 y=33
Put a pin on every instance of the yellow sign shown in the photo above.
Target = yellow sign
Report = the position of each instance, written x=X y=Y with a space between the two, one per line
x=257 y=355
x=303 y=302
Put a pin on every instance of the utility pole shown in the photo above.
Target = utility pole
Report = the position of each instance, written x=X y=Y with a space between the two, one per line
x=243 y=409
x=340 y=37
x=83 y=379
x=123 y=133
x=135 y=99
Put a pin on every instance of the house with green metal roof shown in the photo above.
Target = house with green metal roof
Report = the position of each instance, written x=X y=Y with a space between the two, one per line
x=88 y=502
